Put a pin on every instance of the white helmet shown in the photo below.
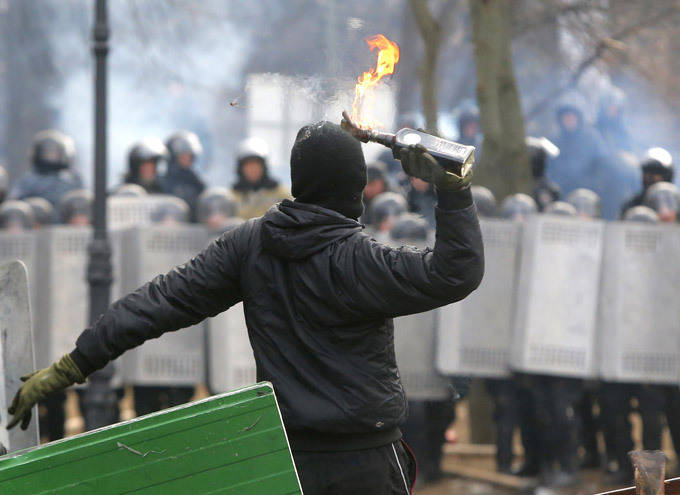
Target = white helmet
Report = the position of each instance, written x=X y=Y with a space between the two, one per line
x=253 y=147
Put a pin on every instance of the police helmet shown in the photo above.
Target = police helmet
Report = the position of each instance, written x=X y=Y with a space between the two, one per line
x=150 y=149
x=540 y=149
x=485 y=201
x=76 y=203
x=130 y=191
x=663 y=197
x=409 y=227
x=586 y=202
x=658 y=161
x=376 y=170
x=253 y=147
x=43 y=211
x=183 y=142
x=51 y=150
x=518 y=206
x=385 y=205
x=560 y=208
x=16 y=215
x=643 y=214
x=216 y=200
x=171 y=210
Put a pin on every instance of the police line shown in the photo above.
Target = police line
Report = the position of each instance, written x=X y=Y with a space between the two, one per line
x=560 y=296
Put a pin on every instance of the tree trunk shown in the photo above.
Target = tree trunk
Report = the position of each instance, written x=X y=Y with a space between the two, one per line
x=503 y=164
x=430 y=30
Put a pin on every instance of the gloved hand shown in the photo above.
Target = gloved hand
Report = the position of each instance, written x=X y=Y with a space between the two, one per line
x=417 y=162
x=39 y=385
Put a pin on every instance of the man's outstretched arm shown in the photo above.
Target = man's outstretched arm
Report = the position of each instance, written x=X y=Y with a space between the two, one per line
x=204 y=286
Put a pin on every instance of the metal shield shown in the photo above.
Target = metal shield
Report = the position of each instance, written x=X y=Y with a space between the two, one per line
x=125 y=211
x=639 y=315
x=555 y=320
x=16 y=351
x=176 y=358
x=414 y=344
x=475 y=334
x=232 y=364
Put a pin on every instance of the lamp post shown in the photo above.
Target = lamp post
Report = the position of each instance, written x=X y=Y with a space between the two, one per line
x=99 y=399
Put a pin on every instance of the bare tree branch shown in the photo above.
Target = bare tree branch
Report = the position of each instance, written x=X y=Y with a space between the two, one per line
x=603 y=45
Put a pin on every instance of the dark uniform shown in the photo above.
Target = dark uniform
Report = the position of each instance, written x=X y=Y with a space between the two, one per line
x=656 y=166
x=181 y=179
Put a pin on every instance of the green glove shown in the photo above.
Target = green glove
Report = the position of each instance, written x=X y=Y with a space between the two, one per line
x=39 y=385
x=417 y=162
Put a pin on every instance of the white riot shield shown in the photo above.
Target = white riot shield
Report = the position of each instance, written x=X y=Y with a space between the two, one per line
x=176 y=358
x=16 y=351
x=63 y=292
x=475 y=334
x=639 y=315
x=21 y=246
x=232 y=364
x=124 y=211
x=555 y=319
x=414 y=344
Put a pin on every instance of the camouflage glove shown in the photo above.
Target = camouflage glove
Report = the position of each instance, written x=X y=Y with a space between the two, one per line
x=39 y=385
x=417 y=162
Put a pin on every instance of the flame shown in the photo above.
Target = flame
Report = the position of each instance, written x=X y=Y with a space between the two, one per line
x=388 y=56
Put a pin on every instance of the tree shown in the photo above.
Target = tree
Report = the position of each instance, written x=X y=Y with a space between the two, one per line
x=504 y=165
x=431 y=29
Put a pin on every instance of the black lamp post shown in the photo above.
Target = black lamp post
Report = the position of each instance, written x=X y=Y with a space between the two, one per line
x=99 y=399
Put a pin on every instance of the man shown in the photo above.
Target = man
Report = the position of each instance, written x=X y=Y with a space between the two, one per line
x=52 y=155
x=255 y=191
x=319 y=296
x=143 y=160
x=545 y=191
x=657 y=166
x=582 y=159
x=181 y=179
x=376 y=184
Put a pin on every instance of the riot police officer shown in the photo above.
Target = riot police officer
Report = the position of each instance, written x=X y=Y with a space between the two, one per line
x=16 y=216
x=255 y=191
x=657 y=166
x=545 y=191
x=52 y=155
x=664 y=199
x=485 y=201
x=586 y=203
x=171 y=211
x=75 y=208
x=385 y=209
x=143 y=160
x=129 y=191
x=642 y=214
x=43 y=212
x=376 y=183
x=181 y=179
x=217 y=209
x=518 y=207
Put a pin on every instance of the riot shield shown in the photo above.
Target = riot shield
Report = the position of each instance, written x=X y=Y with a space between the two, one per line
x=639 y=316
x=176 y=358
x=231 y=443
x=126 y=211
x=474 y=335
x=63 y=293
x=555 y=318
x=232 y=364
x=21 y=246
x=16 y=351
x=414 y=345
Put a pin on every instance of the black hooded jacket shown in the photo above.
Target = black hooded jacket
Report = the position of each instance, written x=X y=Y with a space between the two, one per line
x=319 y=296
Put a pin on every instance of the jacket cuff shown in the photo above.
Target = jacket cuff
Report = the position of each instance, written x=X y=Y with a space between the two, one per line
x=81 y=362
x=454 y=200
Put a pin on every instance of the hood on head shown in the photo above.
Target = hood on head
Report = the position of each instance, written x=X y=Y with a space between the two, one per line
x=294 y=231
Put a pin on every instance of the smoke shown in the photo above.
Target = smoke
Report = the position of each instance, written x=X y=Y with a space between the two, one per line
x=171 y=67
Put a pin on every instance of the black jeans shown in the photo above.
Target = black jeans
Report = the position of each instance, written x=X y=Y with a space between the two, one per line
x=386 y=470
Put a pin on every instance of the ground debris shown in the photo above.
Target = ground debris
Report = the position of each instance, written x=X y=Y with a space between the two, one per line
x=137 y=452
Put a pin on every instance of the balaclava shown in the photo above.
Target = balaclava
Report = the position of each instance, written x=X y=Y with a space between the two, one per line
x=327 y=168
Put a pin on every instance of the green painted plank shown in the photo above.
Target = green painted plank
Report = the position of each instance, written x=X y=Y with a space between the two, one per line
x=227 y=444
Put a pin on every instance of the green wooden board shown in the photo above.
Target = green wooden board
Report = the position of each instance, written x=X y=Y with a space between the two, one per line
x=232 y=443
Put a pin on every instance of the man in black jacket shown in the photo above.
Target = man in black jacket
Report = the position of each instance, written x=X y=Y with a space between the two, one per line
x=319 y=296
